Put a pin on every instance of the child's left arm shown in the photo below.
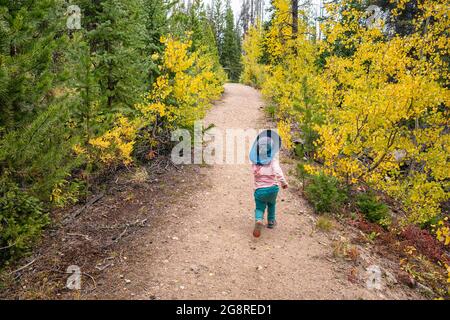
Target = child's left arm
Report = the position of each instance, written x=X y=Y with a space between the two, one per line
x=279 y=174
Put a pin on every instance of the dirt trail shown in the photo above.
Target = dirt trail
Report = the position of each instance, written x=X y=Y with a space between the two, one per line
x=202 y=246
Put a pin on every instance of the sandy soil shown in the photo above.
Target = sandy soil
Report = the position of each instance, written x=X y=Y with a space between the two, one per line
x=202 y=246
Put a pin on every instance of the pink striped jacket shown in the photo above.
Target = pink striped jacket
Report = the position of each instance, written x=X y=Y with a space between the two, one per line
x=268 y=175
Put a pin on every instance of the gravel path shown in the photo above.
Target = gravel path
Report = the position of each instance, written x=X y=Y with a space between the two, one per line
x=202 y=247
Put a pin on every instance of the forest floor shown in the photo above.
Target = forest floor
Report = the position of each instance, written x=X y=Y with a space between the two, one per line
x=187 y=234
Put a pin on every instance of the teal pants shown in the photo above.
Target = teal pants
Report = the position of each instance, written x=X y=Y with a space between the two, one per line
x=266 y=197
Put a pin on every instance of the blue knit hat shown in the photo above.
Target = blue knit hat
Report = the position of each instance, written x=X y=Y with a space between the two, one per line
x=265 y=147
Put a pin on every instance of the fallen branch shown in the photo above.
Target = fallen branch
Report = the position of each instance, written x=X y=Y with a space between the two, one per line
x=9 y=246
x=80 y=210
x=126 y=227
x=80 y=235
x=121 y=235
x=92 y=278
x=104 y=267
x=24 y=267
x=137 y=222
x=175 y=166
x=82 y=273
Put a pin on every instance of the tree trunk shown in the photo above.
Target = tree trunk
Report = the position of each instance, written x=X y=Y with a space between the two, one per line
x=294 y=18
x=252 y=12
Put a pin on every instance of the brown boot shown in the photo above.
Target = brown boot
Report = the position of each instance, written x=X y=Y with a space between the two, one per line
x=258 y=226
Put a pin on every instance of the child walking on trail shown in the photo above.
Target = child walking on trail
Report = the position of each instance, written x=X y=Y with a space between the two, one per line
x=268 y=178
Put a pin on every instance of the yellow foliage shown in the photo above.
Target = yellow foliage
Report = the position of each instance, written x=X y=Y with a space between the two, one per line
x=253 y=73
x=381 y=106
x=280 y=33
x=176 y=56
x=443 y=232
x=64 y=192
x=184 y=90
x=378 y=107
x=116 y=145
x=284 y=130
x=371 y=120
x=78 y=149
x=448 y=273
x=289 y=81
x=189 y=81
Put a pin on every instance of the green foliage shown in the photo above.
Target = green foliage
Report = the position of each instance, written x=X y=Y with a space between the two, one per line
x=270 y=110
x=22 y=219
x=372 y=236
x=231 y=54
x=155 y=25
x=39 y=156
x=116 y=32
x=61 y=90
x=227 y=38
x=324 y=193
x=28 y=44
x=309 y=119
x=373 y=210
x=216 y=15
x=302 y=173
x=299 y=150
x=193 y=23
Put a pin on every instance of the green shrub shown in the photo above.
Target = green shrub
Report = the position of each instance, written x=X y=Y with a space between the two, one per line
x=22 y=219
x=430 y=223
x=270 y=110
x=373 y=210
x=324 y=193
x=39 y=156
x=302 y=174
x=307 y=147
x=299 y=150
x=301 y=171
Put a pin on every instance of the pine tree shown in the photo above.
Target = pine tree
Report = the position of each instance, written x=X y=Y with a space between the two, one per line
x=231 y=55
x=117 y=34
x=194 y=19
x=217 y=18
x=27 y=45
x=156 y=25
